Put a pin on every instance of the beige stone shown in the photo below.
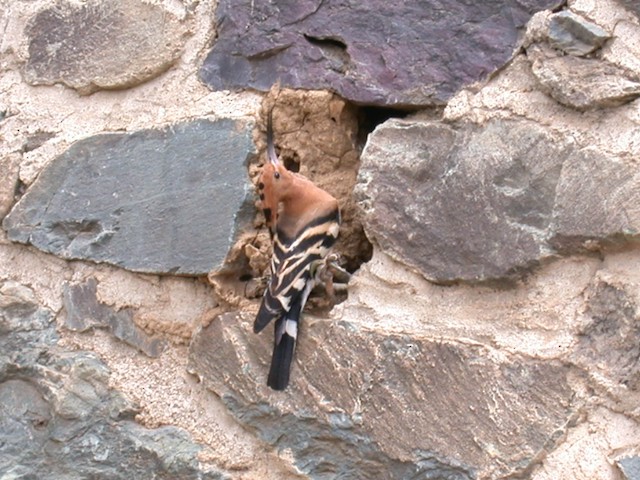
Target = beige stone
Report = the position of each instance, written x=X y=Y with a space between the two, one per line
x=590 y=447
x=8 y=182
x=582 y=83
x=371 y=400
x=130 y=42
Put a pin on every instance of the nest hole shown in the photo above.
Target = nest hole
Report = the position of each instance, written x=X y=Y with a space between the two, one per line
x=370 y=117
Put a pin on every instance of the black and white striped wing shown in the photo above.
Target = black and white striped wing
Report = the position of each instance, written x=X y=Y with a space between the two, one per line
x=291 y=266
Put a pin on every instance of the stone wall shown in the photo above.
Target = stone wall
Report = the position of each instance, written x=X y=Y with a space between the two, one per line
x=486 y=157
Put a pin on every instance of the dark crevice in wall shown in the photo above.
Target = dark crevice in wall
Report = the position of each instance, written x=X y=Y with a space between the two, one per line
x=19 y=190
x=370 y=117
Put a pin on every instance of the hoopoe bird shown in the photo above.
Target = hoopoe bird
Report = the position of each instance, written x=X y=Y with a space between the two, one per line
x=303 y=222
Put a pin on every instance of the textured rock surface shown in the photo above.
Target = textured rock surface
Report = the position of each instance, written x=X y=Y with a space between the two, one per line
x=83 y=311
x=410 y=53
x=630 y=467
x=632 y=5
x=568 y=62
x=611 y=341
x=477 y=203
x=602 y=84
x=59 y=417
x=591 y=448
x=568 y=329
x=162 y=201
x=597 y=201
x=356 y=393
x=102 y=45
x=8 y=183
x=574 y=34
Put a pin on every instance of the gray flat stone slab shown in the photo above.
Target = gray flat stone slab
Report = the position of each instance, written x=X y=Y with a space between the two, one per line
x=465 y=202
x=83 y=312
x=159 y=201
x=60 y=417
x=574 y=34
x=384 y=402
x=630 y=467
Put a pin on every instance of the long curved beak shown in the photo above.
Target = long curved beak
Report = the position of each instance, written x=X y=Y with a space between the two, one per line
x=271 y=150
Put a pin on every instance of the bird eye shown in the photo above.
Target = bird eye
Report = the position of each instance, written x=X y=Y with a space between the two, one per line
x=276 y=175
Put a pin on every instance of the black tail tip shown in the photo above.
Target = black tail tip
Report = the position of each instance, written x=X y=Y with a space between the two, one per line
x=278 y=386
x=259 y=326
x=280 y=369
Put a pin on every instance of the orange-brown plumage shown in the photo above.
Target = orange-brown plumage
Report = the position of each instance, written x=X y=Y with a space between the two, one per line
x=288 y=199
x=299 y=201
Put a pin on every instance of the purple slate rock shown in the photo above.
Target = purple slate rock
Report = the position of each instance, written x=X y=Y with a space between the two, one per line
x=412 y=53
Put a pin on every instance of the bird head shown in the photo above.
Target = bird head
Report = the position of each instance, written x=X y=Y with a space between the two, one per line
x=276 y=182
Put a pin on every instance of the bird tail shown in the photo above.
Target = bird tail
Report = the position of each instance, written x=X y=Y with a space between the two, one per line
x=283 y=348
x=284 y=339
